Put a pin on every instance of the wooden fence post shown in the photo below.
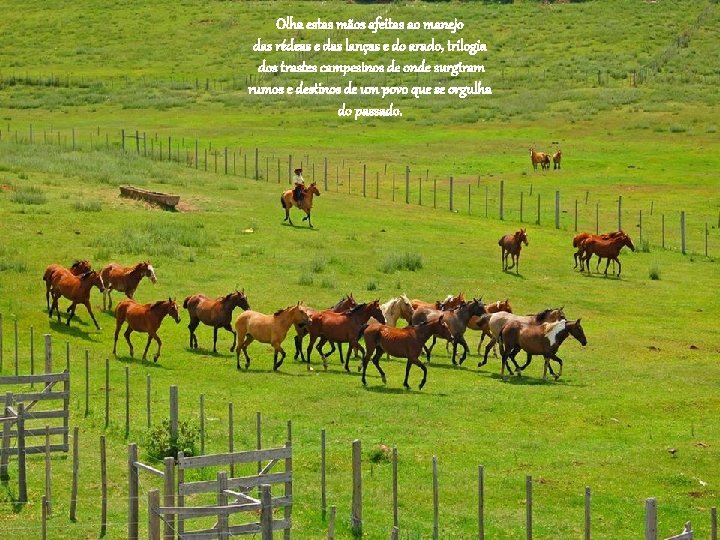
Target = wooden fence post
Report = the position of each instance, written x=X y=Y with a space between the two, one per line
x=452 y=195
x=127 y=402
x=87 y=383
x=153 y=515
x=528 y=507
x=258 y=432
x=407 y=184
x=713 y=523
x=436 y=500
x=619 y=212
x=103 y=486
x=538 y=211
x=331 y=525
x=75 y=471
x=651 y=519
x=323 y=495
x=222 y=500
x=557 y=209
x=481 y=502
x=356 y=517
x=22 y=469
x=395 y=533
x=576 y=215
x=588 y=495
x=396 y=520
x=174 y=410
x=107 y=392
x=288 y=485
x=682 y=231
x=1 y=342
x=5 y=449
x=266 y=518
x=502 y=200
x=202 y=424
x=44 y=511
x=231 y=436
x=133 y=488
x=169 y=496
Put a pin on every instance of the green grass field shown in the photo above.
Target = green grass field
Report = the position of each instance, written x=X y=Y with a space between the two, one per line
x=646 y=382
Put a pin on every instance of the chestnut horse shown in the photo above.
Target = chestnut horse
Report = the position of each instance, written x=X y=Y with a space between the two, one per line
x=77 y=290
x=557 y=156
x=450 y=302
x=216 y=313
x=343 y=304
x=542 y=339
x=608 y=249
x=124 y=279
x=252 y=325
x=405 y=342
x=539 y=157
x=578 y=240
x=145 y=318
x=288 y=201
x=493 y=323
x=77 y=268
x=511 y=245
x=341 y=328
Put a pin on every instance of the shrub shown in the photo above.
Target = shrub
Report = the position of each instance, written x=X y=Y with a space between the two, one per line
x=89 y=206
x=380 y=454
x=318 y=265
x=371 y=285
x=305 y=279
x=29 y=195
x=404 y=261
x=654 y=271
x=644 y=246
x=161 y=443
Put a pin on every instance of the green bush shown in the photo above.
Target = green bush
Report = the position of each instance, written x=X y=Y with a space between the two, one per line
x=654 y=272
x=87 y=206
x=161 y=444
x=404 y=261
x=29 y=195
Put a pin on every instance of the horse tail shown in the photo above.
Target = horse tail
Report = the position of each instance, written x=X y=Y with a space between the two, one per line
x=185 y=302
x=282 y=202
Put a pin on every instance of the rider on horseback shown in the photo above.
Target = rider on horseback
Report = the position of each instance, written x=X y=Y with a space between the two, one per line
x=299 y=189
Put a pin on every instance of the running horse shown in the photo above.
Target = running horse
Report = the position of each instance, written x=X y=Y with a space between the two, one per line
x=216 y=313
x=145 y=318
x=539 y=157
x=345 y=303
x=77 y=290
x=578 y=240
x=511 y=245
x=608 y=249
x=125 y=279
x=77 y=268
x=451 y=302
x=288 y=201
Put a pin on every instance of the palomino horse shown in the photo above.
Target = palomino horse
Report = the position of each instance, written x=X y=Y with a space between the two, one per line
x=492 y=323
x=539 y=157
x=542 y=339
x=341 y=328
x=405 y=342
x=557 y=156
x=456 y=320
x=145 y=318
x=216 y=313
x=252 y=325
x=451 y=302
x=345 y=303
x=578 y=240
x=77 y=268
x=511 y=245
x=608 y=249
x=288 y=201
x=77 y=290
x=124 y=279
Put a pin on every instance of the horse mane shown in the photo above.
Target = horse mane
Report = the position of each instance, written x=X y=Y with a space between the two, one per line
x=542 y=315
x=279 y=311
x=355 y=308
x=157 y=304
x=86 y=274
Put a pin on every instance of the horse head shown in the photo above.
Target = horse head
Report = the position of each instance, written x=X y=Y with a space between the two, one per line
x=94 y=279
x=238 y=298
x=406 y=310
x=504 y=305
x=80 y=267
x=312 y=188
x=521 y=236
x=148 y=271
x=173 y=309
x=299 y=316
x=373 y=308
x=477 y=307
x=627 y=242
x=576 y=331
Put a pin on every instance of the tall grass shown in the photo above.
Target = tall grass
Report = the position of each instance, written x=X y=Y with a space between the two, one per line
x=28 y=195
x=403 y=261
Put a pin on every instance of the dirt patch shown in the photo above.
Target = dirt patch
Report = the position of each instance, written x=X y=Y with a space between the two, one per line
x=7 y=187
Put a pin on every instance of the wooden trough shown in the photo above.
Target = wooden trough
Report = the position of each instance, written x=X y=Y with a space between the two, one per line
x=162 y=199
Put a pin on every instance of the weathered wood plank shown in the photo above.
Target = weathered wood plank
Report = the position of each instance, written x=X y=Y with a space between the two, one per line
x=249 y=456
x=247 y=482
x=31 y=379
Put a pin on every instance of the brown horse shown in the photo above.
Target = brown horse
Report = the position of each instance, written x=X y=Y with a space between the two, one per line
x=493 y=323
x=77 y=290
x=77 y=268
x=450 y=302
x=345 y=303
x=511 y=245
x=557 y=156
x=124 y=279
x=145 y=318
x=405 y=342
x=578 y=240
x=456 y=320
x=341 y=328
x=542 y=339
x=494 y=307
x=288 y=201
x=252 y=325
x=539 y=157
x=608 y=249
x=216 y=313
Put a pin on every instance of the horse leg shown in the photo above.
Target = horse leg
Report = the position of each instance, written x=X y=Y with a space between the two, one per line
x=376 y=360
x=92 y=315
x=71 y=313
x=527 y=362
x=512 y=356
x=192 y=325
x=517 y=263
x=278 y=363
x=127 y=338
x=308 y=220
x=607 y=265
x=248 y=339
x=229 y=329
x=159 y=342
x=109 y=299
x=407 y=374
x=298 y=345
x=118 y=325
x=424 y=370
x=466 y=350
x=559 y=361
x=619 y=265
x=147 y=346
x=489 y=346
x=308 y=352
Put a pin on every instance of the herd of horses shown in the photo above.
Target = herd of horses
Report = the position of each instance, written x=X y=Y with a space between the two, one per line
x=346 y=323
x=543 y=159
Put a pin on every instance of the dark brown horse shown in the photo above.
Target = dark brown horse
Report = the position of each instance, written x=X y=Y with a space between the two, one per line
x=557 y=157
x=456 y=320
x=124 y=279
x=345 y=303
x=405 y=342
x=341 y=328
x=145 y=318
x=77 y=268
x=511 y=245
x=216 y=313
x=607 y=249
x=77 y=290
x=288 y=201
x=544 y=339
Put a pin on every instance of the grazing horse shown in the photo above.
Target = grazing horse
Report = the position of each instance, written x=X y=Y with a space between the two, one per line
x=77 y=268
x=345 y=303
x=539 y=157
x=288 y=201
x=456 y=320
x=405 y=342
x=252 y=325
x=608 y=249
x=542 y=339
x=493 y=323
x=145 y=318
x=450 y=302
x=557 y=156
x=77 y=290
x=215 y=313
x=578 y=240
x=341 y=328
x=124 y=279
x=511 y=245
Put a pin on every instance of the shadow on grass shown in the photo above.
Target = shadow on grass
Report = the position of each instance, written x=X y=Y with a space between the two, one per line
x=9 y=498
x=139 y=361
x=302 y=227
x=75 y=331
x=384 y=389
x=513 y=274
